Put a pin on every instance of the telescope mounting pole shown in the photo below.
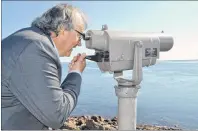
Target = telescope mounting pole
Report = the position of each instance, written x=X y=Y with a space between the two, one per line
x=127 y=90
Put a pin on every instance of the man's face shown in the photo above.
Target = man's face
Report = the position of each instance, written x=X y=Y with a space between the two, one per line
x=69 y=40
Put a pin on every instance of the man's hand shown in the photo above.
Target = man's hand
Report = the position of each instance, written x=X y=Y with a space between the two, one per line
x=78 y=63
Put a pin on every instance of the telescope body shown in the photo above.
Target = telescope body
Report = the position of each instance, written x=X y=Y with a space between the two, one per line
x=115 y=49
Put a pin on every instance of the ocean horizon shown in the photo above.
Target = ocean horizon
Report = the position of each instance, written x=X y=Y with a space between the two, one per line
x=168 y=94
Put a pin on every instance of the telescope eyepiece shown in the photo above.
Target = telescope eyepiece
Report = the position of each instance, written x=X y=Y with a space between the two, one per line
x=84 y=37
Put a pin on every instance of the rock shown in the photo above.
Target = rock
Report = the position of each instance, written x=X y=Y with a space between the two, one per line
x=101 y=119
x=84 y=127
x=107 y=120
x=81 y=120
x=70 y=119
x=115 y=123
x=70 y=126
x=108 y=127
x=110 y=123
x=99 y=123
x=91 y=125
x=116 y=127
x=95 y=118
x=114 y=119
x=150 y=127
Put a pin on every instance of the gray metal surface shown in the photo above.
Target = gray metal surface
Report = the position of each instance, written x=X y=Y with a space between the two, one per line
x=120 y=45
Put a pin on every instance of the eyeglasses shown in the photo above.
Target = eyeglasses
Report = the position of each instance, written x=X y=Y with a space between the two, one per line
x=82 y=36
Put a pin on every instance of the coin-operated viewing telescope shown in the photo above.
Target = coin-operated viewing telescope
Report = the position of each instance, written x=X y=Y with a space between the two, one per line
x=118 y=51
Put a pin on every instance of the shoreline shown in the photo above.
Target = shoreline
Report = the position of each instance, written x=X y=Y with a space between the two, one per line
x=100 y=123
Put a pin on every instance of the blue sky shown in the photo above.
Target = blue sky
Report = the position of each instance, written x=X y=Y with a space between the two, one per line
x=177 y=18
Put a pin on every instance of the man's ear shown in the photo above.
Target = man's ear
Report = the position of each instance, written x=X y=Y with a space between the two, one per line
x=64 y=33
x=61 y=32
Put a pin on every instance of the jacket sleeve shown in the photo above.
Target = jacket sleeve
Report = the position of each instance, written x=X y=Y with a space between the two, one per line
x=35 y=82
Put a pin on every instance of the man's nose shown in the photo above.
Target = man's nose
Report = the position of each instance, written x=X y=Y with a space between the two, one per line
x=79 y=43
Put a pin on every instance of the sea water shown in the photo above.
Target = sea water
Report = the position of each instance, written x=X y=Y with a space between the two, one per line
x=168 y=94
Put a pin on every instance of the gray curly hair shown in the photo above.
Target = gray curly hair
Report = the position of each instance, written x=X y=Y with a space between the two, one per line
x=61 y=16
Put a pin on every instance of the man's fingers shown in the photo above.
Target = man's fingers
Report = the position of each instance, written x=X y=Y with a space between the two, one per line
x=82 y=57
x=74 y=59
x=78 y=56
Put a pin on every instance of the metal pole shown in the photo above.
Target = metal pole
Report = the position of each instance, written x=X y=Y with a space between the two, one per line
x=127 y=90
x=127 y=98
x=127 y=114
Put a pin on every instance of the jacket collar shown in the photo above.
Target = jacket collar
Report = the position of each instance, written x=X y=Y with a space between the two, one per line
x=38 y=30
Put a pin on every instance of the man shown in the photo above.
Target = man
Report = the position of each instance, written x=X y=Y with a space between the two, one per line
x=32 y=96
